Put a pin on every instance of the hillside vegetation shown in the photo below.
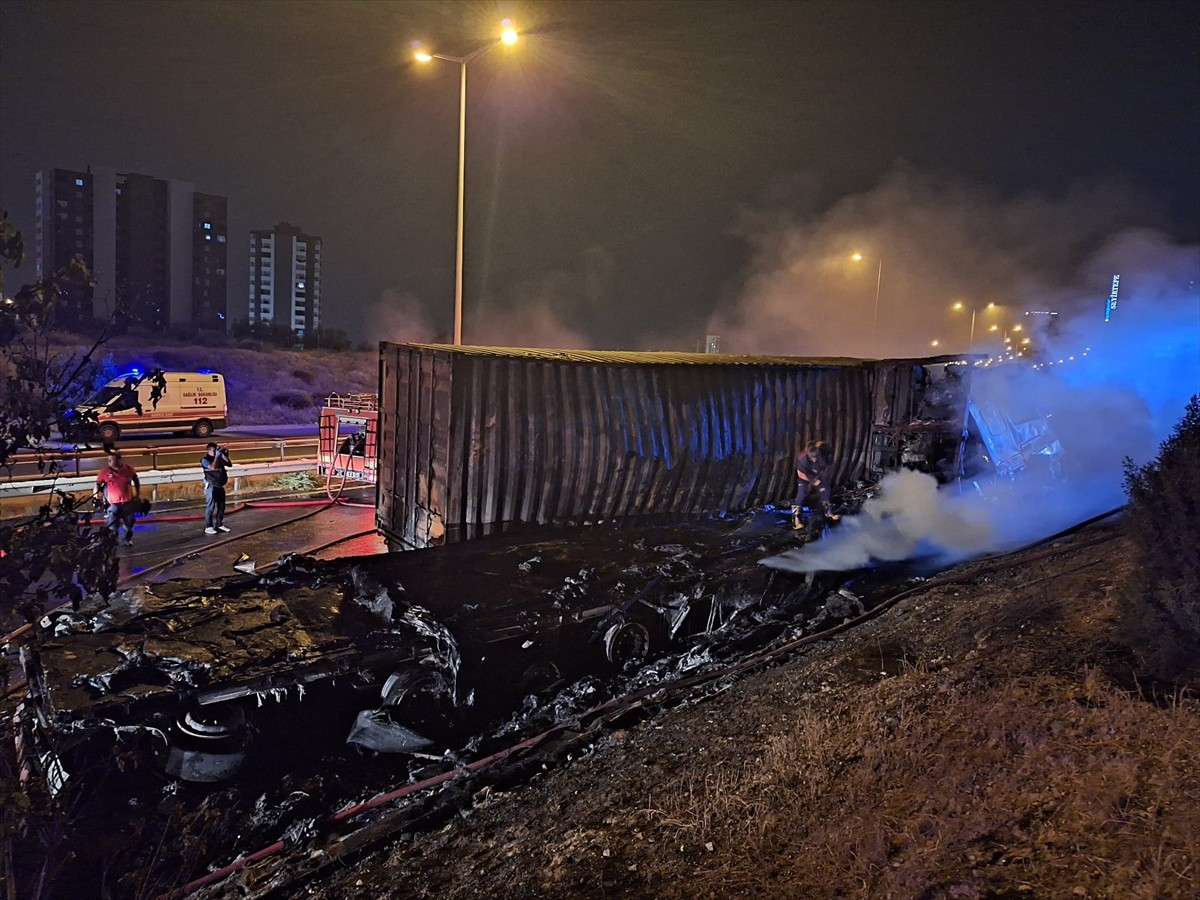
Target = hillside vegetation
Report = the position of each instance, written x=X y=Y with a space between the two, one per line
x=266 y=386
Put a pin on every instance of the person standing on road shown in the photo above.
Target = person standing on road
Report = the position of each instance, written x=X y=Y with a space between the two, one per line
x=215 y=464
x=812 y=482
x=118 y=484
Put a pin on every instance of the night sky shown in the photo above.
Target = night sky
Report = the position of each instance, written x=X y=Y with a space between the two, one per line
x=639 y=174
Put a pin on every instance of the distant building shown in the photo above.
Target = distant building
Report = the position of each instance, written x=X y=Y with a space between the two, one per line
x=285 y=278
x=156 y=249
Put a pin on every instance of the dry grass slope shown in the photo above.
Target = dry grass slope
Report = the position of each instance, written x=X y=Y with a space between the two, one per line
x=934 y=785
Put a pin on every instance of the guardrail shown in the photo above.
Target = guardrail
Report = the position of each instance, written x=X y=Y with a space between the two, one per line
x=71 y=459
x=150 y=478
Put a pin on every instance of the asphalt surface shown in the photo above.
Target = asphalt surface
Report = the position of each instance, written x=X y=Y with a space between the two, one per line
x=173 y=544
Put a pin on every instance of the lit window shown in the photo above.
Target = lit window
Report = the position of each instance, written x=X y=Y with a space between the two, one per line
x=220 y=238
x=208 y=237
x=300 y=285
x=79 y=182
x=208 y=226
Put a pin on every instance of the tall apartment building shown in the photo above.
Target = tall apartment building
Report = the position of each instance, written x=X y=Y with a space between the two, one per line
x=285 y=278
x=157 y=249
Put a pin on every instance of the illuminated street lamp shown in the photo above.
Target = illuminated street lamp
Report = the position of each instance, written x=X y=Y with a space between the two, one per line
x=508 y=37
x=959 y=305
x=858 y=257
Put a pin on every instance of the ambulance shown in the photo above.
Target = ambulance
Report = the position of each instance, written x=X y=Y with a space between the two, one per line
x=191 y=403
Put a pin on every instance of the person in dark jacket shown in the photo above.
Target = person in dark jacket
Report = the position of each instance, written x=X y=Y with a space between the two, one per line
x=215 y=464
x=813 y=471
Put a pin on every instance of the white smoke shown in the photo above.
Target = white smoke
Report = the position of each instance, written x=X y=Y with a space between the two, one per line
x=1109 y=390
x=551 y=310
x=398 y=316
x=910 y=518
x=923 y=245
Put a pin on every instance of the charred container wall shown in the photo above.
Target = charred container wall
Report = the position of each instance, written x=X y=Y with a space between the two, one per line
x=476 y=439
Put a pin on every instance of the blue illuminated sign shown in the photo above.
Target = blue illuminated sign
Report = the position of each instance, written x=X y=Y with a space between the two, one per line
x=1111 y=303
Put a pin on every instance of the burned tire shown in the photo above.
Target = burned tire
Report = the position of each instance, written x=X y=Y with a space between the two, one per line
x=202 y=429
x=541 y=676
x=626 y=642
x=208 y=744
x=109 y=432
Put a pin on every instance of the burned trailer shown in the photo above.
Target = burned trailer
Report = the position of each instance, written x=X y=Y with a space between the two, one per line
x=475 y=440
x=394 y=653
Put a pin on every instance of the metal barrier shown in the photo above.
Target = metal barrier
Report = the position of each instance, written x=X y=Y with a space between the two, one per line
x=72 y=459
x=150 y=478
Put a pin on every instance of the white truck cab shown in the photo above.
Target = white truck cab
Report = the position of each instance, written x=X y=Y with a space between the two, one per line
x=191 y=402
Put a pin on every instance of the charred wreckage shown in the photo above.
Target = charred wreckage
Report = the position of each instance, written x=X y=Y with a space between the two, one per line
x=396 y=653
x=414 y=652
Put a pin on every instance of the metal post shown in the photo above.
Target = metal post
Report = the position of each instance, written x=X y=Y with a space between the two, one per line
x=875 y=321
x=462 y=170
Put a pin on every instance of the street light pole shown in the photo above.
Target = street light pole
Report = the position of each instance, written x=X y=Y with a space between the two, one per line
x=858 y=257
x=974 y=309
x=462 y=183
x=509 y=36
x=875 y=320
x=462 y=178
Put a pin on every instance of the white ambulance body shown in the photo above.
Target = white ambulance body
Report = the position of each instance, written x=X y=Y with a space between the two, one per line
x=192 y=402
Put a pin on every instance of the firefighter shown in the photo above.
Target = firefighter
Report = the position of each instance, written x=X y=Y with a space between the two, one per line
x=812 y=483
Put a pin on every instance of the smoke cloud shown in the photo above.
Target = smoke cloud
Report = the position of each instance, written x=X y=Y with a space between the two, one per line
x=558 y=309
x=399 y=317
x=924 y=244
x=1109 y=389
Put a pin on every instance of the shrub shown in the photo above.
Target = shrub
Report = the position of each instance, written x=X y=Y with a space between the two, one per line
x=184 y=332
x=170 y=361
x=1163 y=521
x=303 y=375
x=292 y=399
x=326 y=339
x=211 y=337
x=250 y=344
x=299 y=482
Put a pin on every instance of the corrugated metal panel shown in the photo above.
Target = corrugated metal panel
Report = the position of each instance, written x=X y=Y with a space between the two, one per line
x=638 y=357
x=475 y=439
x=415 y=467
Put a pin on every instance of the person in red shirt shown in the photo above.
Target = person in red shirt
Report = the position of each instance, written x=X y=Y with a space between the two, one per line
x=118 y=484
